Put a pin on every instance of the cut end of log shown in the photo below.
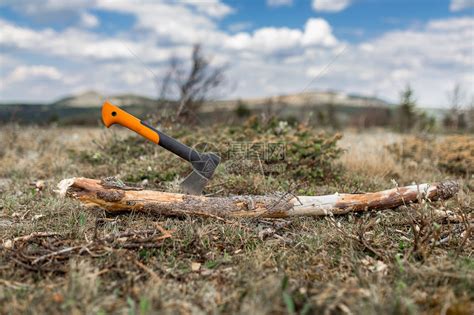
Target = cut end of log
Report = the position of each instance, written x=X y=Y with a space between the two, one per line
x=64 y=185
x=447 y=189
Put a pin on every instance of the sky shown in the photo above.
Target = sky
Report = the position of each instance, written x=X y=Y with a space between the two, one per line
x=53 y=48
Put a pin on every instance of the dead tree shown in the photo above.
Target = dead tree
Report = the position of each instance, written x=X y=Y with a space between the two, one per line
x=93 y=192
x=192 y=86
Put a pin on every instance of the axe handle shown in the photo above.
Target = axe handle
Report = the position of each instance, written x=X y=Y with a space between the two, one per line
x=111 y=114
x=173 y=145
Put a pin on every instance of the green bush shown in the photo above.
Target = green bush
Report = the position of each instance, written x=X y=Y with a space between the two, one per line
x=256 y=158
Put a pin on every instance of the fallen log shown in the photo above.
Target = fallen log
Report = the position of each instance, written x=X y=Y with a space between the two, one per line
x=92 y=192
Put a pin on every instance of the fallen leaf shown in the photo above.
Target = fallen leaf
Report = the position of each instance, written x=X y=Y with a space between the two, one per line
x=8 y=244
x=195 y=266
x=207 y=272
x=378 y=267
x=58 y=297
x=40 y=185
x=37 y=217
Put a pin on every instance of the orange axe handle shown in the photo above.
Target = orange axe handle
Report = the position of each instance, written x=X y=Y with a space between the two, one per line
x=111 y=114
x=204 y=164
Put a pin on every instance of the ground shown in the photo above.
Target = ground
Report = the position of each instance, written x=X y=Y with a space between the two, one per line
x=401 y=261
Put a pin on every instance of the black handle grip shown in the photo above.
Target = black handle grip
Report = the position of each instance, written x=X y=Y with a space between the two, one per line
x=173 y=145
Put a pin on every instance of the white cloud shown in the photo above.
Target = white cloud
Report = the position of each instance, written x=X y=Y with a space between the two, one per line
x=239 y=27
x=318 y=32
x=74 y=43
x=23 y=73
x=268 y=40
x=213 y=8
x=463 y=23
x=41 y=7
x=431 y=57
x=279 y=3
x=170 y=22
x=178 y=20
x=265 y=61
x=330 y=5
x=89 y=20
x=48 y=11
x=459 y=5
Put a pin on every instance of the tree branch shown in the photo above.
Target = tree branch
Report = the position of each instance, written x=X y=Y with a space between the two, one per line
x=91 y=192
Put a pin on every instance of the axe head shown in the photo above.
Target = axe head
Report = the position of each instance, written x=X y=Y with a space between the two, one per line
x=204 y=165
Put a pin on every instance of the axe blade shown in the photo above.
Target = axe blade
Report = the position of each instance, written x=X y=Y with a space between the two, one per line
x=203 y=168
x=194 y=183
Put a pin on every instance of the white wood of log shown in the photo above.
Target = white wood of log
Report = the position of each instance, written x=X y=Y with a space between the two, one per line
x=92 y=192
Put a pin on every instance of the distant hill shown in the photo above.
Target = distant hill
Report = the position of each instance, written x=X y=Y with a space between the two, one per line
x=302 y=100
x=81 y=109
x=94 y=99
x=84 y=108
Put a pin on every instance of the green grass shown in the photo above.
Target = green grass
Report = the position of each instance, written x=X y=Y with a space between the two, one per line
x=306 y=266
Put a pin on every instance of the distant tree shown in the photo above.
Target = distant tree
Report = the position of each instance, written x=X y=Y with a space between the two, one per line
x=321 y=117
x=241 y=109
x=408 y=118
x=332 y=116
x=455 y=118
x=470 y=115
x=406 y=112
x=425 y=122
x=193 y=84
x=273 y=109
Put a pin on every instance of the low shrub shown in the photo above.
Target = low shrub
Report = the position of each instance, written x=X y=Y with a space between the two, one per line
x=451 y=154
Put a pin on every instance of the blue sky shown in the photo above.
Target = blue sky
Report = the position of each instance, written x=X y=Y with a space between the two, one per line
x=53 y=48
x=369 y=17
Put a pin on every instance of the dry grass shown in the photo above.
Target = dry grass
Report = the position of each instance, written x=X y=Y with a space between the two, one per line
x=454 y=154
x=400 y=262
x=366 y=154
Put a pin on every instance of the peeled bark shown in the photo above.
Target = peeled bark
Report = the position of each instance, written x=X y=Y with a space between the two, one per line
x=92 y=192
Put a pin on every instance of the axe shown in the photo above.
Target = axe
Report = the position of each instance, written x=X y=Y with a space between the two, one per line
x=204 y=164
